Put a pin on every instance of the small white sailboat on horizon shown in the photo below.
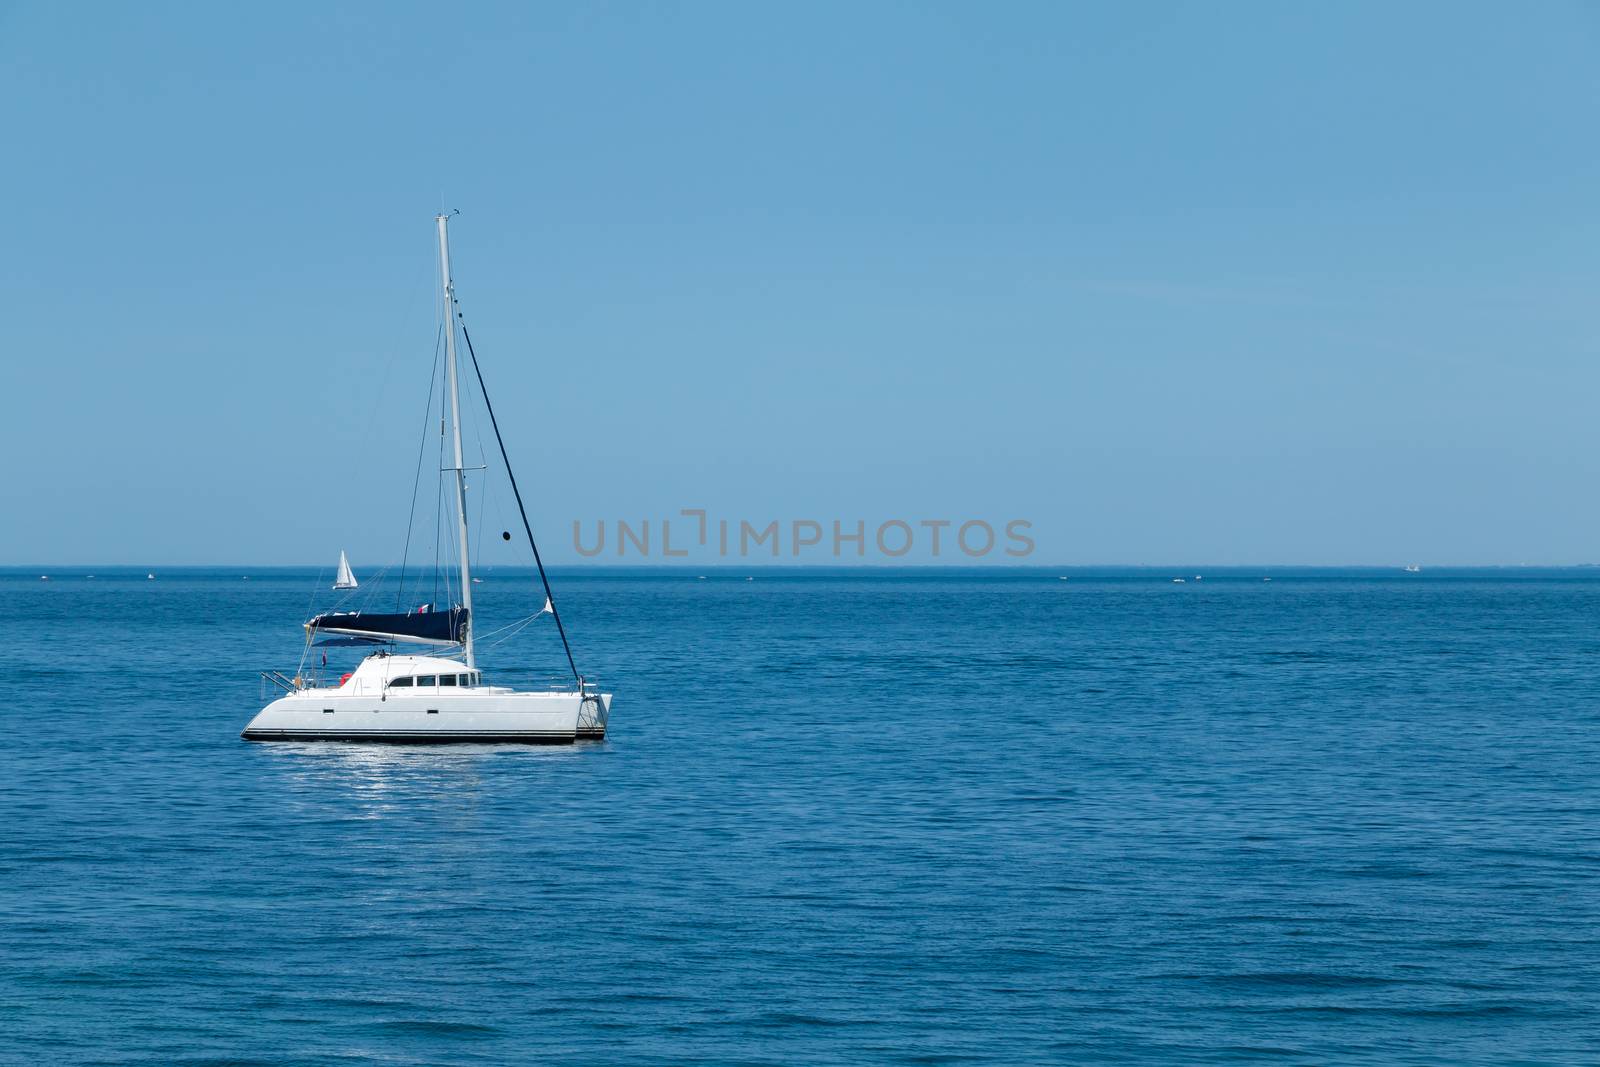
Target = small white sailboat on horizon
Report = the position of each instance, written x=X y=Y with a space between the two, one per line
x=345 y=579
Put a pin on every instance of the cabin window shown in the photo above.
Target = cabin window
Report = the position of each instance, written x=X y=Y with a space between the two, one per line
x=428 y=679
x=401 y=683
x=447 y=679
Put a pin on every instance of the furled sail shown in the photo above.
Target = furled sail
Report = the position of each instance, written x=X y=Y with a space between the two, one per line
x=423 y=626
x=345 y=580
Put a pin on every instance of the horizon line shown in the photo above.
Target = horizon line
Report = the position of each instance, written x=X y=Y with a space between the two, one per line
x=379 y=570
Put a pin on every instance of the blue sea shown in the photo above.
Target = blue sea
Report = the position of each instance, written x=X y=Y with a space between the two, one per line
x=882 y=817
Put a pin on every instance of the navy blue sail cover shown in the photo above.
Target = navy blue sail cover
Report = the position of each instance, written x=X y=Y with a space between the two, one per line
x=421 y=627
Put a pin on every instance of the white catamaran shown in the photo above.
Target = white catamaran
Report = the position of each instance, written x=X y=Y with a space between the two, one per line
x=431 y=698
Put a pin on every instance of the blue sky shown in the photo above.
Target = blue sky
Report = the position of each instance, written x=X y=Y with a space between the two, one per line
x=1248 y=283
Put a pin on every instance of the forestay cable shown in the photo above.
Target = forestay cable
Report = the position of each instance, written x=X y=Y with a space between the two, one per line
x=526 y=526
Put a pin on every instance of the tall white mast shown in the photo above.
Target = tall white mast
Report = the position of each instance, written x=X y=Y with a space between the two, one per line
x=455 y=427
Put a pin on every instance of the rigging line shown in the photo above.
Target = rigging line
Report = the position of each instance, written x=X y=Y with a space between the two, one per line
x=365 y=592
x=411 y=516
x=523 y=626
x=438 y=535
x=483 y=500
x=438 y=494
x=311 y=605
x=311 y=601
x=477 y=532
x=526 y=526
x=451 y=547
x=483 y=489
x=469 y=429
x=374 y=587
x=517 y=624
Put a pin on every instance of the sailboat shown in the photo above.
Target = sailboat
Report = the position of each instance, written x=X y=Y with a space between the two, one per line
x=345 y=580
x=442 y=697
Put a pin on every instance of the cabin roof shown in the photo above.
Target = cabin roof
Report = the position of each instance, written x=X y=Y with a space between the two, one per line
x=399 y=666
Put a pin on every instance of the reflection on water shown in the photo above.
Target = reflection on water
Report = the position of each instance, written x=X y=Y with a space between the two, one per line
x=381 y=781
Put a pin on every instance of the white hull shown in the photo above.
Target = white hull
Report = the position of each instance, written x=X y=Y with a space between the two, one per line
x=483 y=715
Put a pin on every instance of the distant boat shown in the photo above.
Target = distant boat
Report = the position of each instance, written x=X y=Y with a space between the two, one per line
x=345 y=580
x=1197 y=578
x=1179 y=581
x=1062 y=578
x=1266 y=579
x=1413 y=569
x=44 y=577
x=477 y=581
x=150 y=577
